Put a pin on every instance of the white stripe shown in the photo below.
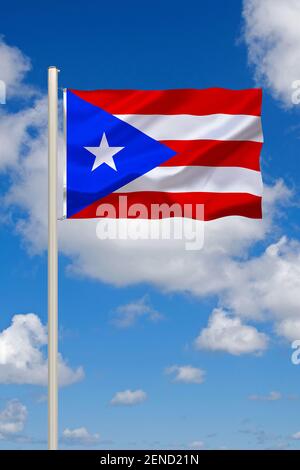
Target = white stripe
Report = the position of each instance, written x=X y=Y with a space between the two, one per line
x=188 y=127
x=197 y=179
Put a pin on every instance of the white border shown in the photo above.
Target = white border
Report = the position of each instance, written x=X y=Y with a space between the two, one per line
x=65 y=153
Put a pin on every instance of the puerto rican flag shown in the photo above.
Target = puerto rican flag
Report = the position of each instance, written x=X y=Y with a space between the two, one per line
x=184 y=146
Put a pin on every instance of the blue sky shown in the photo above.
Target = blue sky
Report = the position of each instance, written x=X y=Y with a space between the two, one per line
x=150 y=46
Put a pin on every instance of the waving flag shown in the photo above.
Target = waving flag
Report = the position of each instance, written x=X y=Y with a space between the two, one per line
x=164 y=147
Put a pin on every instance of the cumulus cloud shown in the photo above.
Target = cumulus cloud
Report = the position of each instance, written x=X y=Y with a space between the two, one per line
x=272 y=396
x=126 y=315
x=272 y=35
x=22 y=360
x=15 y=135
x=246 y=286
x=129 y=397
x=187 y=374
x=268 y=283
x=289 y=328
x=80 y=436
x=229 y=334
x=12 y=419
x=196 y=445
x=296 y=435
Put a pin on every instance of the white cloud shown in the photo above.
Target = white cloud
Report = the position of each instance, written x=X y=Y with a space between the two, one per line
x=228 y=334
x=80 y=436
x=14 y=66
x=196 y=445
x=289 y=328
x=187 y=374
x=268 y=287
x=43 y=398
x=129 y=397
x=272 y=396
x=22 y=360
x=272 y=35
x=296 y=435
x=127 y=315
x=12 y=419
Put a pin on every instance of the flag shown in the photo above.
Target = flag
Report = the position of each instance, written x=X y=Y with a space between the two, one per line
x=184 y=147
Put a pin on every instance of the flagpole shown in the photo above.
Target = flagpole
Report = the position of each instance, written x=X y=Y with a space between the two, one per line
x=52 y=260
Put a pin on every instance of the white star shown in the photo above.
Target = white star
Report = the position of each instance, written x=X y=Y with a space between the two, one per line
x=104 y=154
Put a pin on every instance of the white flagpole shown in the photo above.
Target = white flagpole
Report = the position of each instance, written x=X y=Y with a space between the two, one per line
x=52 y=260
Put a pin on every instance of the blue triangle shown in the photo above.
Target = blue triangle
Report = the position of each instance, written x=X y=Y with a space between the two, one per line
x=86 y=125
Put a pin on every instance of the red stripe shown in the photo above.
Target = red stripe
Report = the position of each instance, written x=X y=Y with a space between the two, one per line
x=214 y=153
x=216 y=205
x=185 y=101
